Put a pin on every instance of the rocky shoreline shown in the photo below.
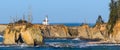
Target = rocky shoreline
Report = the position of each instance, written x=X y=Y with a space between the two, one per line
x=51 y=31
x=34 y=34
x=63 y=31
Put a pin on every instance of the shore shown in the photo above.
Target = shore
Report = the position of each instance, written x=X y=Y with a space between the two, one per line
x=96 y=34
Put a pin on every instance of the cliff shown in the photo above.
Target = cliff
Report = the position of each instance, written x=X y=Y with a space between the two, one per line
x=23 y=33
x=115 y=35
x=54 y=30
x=2 y=28
x=86 y=32
x=32 y=34
x=18 y=34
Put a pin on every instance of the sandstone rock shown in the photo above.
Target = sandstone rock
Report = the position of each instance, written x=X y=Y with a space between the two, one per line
x=73 y=31
x=99 y=32
x=9 y=36
x=18 y=34
x=55 y=31
x=116 y=32
x=84 y=31
x=96 y=34
x=2 y=28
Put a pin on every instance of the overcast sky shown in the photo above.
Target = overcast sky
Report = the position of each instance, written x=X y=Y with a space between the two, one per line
x=58 y=11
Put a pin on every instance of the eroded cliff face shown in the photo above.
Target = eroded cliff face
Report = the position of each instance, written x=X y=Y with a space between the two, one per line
x=55 y=31
x=28 y=34
x=2 y=28
x=115 y=35
x=99 y=32
x=32 y=34
x=84 y=31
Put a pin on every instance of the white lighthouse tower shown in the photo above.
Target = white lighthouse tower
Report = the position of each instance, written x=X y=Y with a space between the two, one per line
x=45 y=21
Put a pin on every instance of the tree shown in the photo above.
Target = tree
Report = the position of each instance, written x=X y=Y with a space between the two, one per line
x=113 y=15
x=99 y=20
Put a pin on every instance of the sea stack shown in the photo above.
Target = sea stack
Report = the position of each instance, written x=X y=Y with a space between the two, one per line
x=22 y=32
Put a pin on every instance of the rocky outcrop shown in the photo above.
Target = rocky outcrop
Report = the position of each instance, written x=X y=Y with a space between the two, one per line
x=55 y=31
x=73 y=31
x=99 y=32
x=32 y=34
x=2 y=28
x=116 y=33
x=23 y=33
x=84 y=31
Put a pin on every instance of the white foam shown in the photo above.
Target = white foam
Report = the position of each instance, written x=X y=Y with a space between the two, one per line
x=59 y=44
x=76 y=39
x=1 y=36
x=79 y=45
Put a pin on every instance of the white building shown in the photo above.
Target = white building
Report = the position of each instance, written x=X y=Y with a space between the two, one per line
x=45 y=21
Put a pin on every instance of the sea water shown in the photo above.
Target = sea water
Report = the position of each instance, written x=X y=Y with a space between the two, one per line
x=62 y=44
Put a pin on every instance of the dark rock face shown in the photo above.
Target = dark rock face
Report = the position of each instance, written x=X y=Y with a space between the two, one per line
x=73 y=32
x=55 y=31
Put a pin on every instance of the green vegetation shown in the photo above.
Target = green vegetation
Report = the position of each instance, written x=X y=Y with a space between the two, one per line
x=99 y=20
x=114 y=14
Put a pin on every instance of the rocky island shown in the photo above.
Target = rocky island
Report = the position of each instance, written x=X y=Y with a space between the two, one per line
x=33 y=34
x=22 y=31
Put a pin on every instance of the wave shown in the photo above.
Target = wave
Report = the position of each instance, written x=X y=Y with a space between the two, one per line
x=79 y=45
x=1 y=36
x=61 y=45
x=73 y=43
x=76 y=39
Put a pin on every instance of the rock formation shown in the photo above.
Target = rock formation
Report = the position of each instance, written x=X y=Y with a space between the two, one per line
x=99 y=31
x=114 y=22
x=2 y=28
x=54 y=31
x=86 y=32
x=23 y=33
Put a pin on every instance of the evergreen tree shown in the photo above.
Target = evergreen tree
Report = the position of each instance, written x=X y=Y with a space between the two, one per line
x=99 y=20
x=113 y=15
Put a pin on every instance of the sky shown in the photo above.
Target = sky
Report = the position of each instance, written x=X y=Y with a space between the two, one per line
x=58 y=11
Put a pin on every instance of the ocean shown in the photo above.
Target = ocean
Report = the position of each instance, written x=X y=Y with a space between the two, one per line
x=62 y=44
x=73 y=24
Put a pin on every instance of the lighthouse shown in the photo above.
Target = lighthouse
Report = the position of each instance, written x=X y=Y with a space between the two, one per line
x=45 y=21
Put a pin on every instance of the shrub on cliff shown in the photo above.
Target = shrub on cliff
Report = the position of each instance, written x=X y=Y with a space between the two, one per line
x=99 y=21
